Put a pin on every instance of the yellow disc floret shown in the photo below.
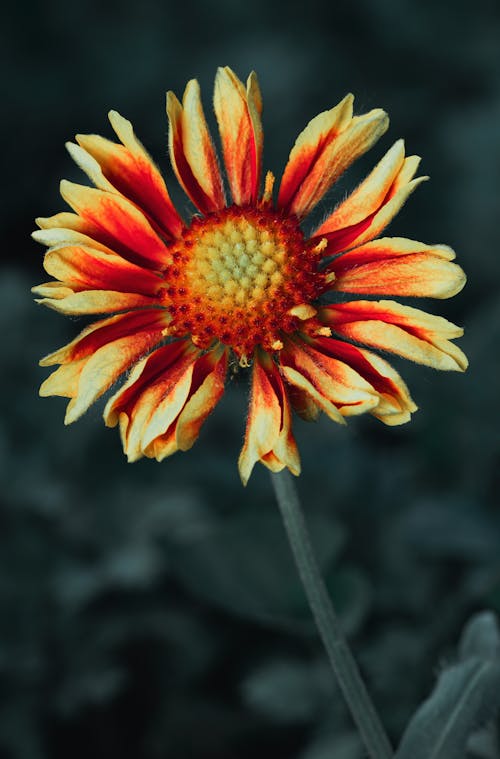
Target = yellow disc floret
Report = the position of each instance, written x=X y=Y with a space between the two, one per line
x=237 y=275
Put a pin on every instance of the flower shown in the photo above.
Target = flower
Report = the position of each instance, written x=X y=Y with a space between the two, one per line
x=240 y=282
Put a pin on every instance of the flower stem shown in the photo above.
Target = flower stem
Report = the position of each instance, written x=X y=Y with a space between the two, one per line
x=344 y=666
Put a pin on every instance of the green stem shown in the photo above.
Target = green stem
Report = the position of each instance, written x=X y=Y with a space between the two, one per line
x=344 y=666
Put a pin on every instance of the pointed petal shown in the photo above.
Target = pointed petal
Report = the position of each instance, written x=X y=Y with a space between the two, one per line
x=89 y=165
x=311 y=144
x=198 y=147
x=105 y=367
x=119 y=219
x=397 y=266
x=372 y=206
x=370 y=227
x=63 y=381
x=323 y=151
x=268 y=436
x=238 y=112
x=409 y=332
x=129 y=170
x=370 y=194
x=97 y=358
x=105 y=331
x=191 y=151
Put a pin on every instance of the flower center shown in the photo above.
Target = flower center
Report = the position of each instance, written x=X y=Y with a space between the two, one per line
x=242 y=276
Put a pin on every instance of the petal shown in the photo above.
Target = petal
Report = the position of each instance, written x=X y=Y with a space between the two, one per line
x=323 y=151
x=105 y=331
x=370 y=194
x=64 y=381
x=129 y=169
x=397 y=266
x=302 y=388
x=311 y=145
x=369 y=228
x=238 y=111
x=198 y=147
x=57 y=236
x=332 y=380
x=192 y=152
x=104 y=368
x=97 y=358
x=121 y=221
x=164 y=375
x=83 y=268
x=395 y=403
x=89 y=165
x=268 y=436
x=206 y=390
x=373 y=205
x=389 y=326
x=64 y=300
x=71 y=229
x=166 y=400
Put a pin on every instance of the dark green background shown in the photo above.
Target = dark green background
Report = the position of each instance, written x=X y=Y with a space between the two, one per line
x=151 y=610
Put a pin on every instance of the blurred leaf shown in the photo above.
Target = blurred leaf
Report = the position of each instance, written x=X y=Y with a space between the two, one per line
x=484 y=744
x=352 y=595
x=289 y=690
x=245 y=565
x=480 y=637
x=466 y=696
x=94 y=687
x=449 y=527
x=335 y=745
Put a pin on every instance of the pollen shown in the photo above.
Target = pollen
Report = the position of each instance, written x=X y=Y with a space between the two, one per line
x=239 y=276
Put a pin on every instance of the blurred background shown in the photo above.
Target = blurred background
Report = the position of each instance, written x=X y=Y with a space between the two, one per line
x=153 y=610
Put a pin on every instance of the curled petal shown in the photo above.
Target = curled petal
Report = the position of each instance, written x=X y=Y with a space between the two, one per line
x=268 y=436
x=192 y=152
x=98 y=356
x=167 y=398
x=397 y=266
x=329 y=144
x=395 y=404
x=238 y=112
x=129 y=170
x=331 y=383
x=389 y=326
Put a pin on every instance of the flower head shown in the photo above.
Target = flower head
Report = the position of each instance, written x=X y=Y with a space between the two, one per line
x=240 y=282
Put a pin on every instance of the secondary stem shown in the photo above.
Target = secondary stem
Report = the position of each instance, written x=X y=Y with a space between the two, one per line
x=346 y=670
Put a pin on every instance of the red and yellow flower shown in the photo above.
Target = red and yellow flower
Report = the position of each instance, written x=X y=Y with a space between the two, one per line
x=240 y=281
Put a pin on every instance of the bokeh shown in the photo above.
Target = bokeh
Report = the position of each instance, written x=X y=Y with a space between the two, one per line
x=152 y=611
